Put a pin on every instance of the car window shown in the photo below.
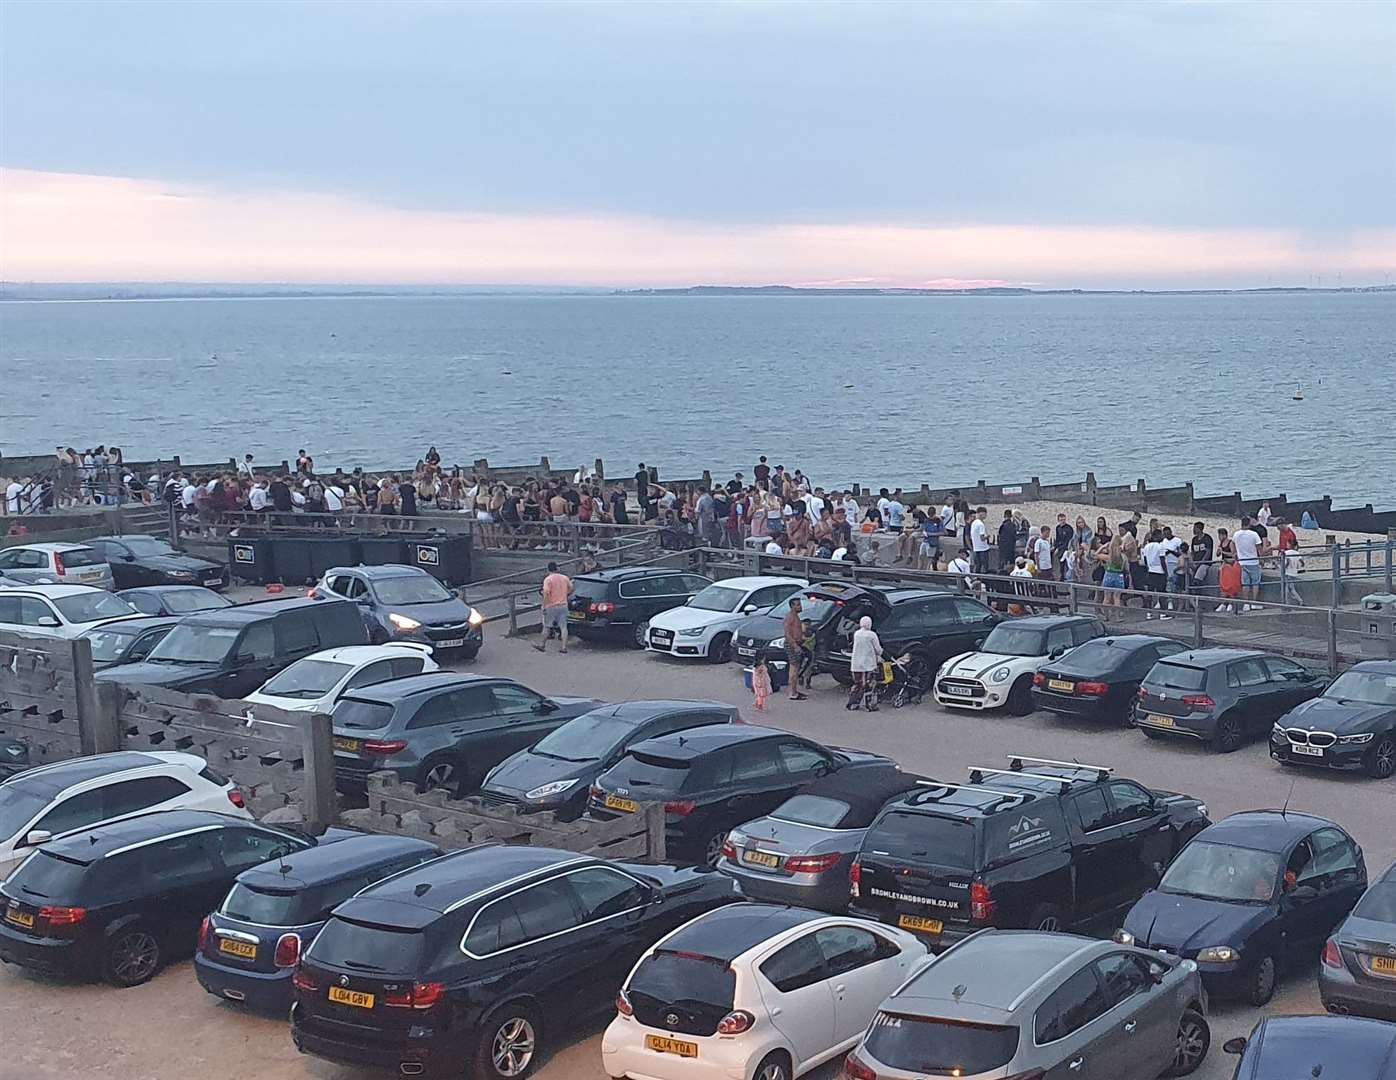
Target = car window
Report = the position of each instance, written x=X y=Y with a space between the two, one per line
x=1299 y=868
x=376 y=672
x=496 y=927
x=403 y=666
x=756 y=761
x=847 y=948
x=1088 y=631
x=296 y=632
x=244 y=848
x=1131 y=801
x=798 y=757
x=546 y=908
x=143 y=601
x=670 y=585
x=799 y=964
x=692 y=583
x=74 y=812
x=32 y=611
x=338 y=583
x=32 y=560
x=147 y=641
x=710 y=771
x=175 y=861
x=9 y=610
x=1059 y=637
x=602 y=892
x=1171 y=648
x=764 y=598
x=1092 y=809
x=935 y=614
x=355 y=588
x=635 y=588
x=970 y=612
x=129 y=796
x=1246 y=673
x=1282 y=670
x=9 y=559
x=1123 y=976
x=1334 y=854
x=1071 y=1007
x=512 y=700
x=258 y=642
x=466 y=703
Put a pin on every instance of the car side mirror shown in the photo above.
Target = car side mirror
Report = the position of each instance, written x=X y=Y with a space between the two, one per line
x=750 y=609
x=128 y=558
x=1234 y=1046
x=242 y=659
x=545 y=706
x=48 y=620
x=37 y=837
x=1055 y=654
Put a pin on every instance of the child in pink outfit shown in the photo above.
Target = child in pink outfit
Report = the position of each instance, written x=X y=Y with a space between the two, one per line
x=760 y=684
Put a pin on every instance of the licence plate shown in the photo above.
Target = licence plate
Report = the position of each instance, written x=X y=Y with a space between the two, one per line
x=451 y=643
x=1160 y=721
x=662 y=635
x=577 y=616
x=1384 y=965
x=90 y=576
x=744 y=650
x=210 y=582
x=760 y=858
x=1061 y=684
x=664 y=1045
x=245 y=949
x=614 y=802
x=356 y=998
x=19 y=918
x=1309 y=751
x=919 y=922
x=959 y=691
x=351 y=745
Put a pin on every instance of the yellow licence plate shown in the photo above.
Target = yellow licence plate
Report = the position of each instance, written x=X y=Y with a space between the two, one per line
x=357 y=998
x=19 y=918
x=665 y=1045
x=615 y=802
x=760 y=858
x=924 y=925
x=1384 y=965
x=1061 y=684
x=244 y=949
x=1160 y=721
x=351 y=745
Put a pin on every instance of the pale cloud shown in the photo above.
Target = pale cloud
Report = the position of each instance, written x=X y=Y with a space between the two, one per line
x=69 y=227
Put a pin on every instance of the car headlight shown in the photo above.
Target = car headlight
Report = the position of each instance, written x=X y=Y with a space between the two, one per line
x=557 y=787
x=778 y=643
x=696 y=631
x=1277 y=732
x=1218 y=954
x=1202 y=809
x=183 y=575
x=1000 y=674
x=1354 y=740
x=476 y=619
x=402 y=622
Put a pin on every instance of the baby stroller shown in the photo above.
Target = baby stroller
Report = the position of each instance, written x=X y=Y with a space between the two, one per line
x=902 y=681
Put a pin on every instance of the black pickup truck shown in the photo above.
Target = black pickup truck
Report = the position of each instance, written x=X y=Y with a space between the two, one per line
x=1041 y=845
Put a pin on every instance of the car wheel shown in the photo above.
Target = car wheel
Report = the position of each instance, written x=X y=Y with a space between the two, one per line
x=720 y=651
x=132 y=956
x=1229 y=734
x=640 y=634
x=1194 y=1040
x=1020 y=697
x=442 y=773
x=712 y=850
x=1381 y=761
x=1045 y=917
x=843 y=678
x=774 y=1066
x=1260 y=987
x=509 y=1043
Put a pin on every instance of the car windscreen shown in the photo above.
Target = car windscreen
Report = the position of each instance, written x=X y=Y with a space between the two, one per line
x=1378 y=903
x=672 y=978
x=1368 y=687
x=45 y=876
x=269 y=907
x=147 y=546
x=945 y=841
x=1009 y=640
x=1177 y=676
x=589 y=737
x=717 y=598
x=813 y=609
x=190 y=643
x=85 y=607
x=935 y=1047
x=308 y=678
x=590 y=588
x=81 y=557
x=1098 y=656
x=411 y=590
x=187 y=601
x=109 y=641
x=368 y=947
x=1223 y=872
x=812 y=810
x=362 y=715
x=650 y=773
x=19 y=803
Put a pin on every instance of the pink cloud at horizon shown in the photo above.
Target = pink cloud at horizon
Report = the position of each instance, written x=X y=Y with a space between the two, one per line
x=64 y=227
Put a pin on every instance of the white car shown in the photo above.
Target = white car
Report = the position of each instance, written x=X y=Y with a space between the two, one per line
x=703 y=627
x=57 y=564
x=50 y=800
x=755 y=991
x=1000 y=674
x=315 y=682
x=58 y=611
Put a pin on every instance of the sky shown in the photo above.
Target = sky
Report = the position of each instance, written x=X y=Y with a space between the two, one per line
x=930 y=144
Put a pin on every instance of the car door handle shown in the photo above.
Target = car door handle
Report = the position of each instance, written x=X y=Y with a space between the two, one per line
x=1077 y=1065
x=777 y=1011
x=840 y=988
x=1129 y=1028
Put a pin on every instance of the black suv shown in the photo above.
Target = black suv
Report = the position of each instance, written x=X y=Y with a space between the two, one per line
x=119 y=899
x=232 y=651
x=1043 y=845
x=713 y=778
x=466 y=965
x=617 y=605
x=443 y=729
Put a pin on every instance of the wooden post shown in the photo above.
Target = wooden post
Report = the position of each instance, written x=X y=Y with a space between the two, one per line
x=99 y=704
x=321 y=802
x=654 y=826
x=1333 y=641
x=1197 y=637
x=513 y=616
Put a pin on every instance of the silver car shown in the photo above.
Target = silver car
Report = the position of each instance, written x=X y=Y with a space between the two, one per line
x=1008 y=1003
x=56 y=564
x=1358 y=973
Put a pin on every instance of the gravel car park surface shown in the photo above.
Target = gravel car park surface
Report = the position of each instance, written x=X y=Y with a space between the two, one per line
x=170 y=1029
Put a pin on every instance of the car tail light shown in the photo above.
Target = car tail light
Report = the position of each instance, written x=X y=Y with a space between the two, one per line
x=1332 y=957
x=1198 y=701
x=303 y=980
x=1038 y=678
x=812 y=864
x=982 y=904
x=729 y=849
x=596 y=793
x=680 y=807
x=1092 y=688
x=855 y=878
x=203 y=934
x=288 y=951
x=422 y=995
x=54 y=915
x=854 y=1069
x=1143 y=693
x=384 y=746
x=605 y=607
x=235 y=797
x=734 y=1023
x=58 y=564
x=623 y=1004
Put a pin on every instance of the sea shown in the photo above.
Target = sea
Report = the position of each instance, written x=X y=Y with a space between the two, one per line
x=879 y=390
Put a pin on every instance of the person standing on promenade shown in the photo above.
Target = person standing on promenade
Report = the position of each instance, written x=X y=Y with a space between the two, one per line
x=761 y=472
x=841 y=530
x=1249 y=548
x=1007 y=542
x=1063 y=537
x=979 y=540
x=794 y=634
x=1263 y=515
x=557 y=590
x=867 y=654
x=1112 y=559
x=642 y=491
x=1041 y=552
x=618 y=508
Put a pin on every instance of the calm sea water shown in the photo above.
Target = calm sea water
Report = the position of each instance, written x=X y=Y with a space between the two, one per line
x=943 y=390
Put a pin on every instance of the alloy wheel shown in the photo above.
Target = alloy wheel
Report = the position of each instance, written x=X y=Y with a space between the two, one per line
x=1051 y=924
x=641 y=634
x=1192 y=1045
x=1384 y=757
x=439 y=776
x=514 y=1046
x=773 y=1070
x=134 y=957
x=712 y=854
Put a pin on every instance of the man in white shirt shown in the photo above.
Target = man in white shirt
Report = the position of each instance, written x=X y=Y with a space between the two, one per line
x=1041 y=550
x=12 y=496
x=773 y=547
x=186 y=495
x=851 y=507
x=257 y=497
x=894 y=514
x=334 y=499
x=1249 y=548
x=814 y=505
x=979 y=540
x=245 y=466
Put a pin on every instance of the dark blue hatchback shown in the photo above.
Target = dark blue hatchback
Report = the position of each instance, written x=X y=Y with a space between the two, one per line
x=1341 y=1047
x=249 y=947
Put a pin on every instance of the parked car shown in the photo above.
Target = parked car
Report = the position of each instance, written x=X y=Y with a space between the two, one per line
x=250 y=945
x=703 y=627
x=404 y=603
x=49 y=801
x=127 y=640
x=617 y=605
x=58 y=611
x=1351 y=725
x=56 y=564
x=712 y=779
x=1221 y=696
x=174 y=599
x=1043 y=845
x=147 y=560
x=316 y=682
x=119 y=900
x=801 y=852
x=1341 y=1047
x=441 y=730
x=1358 y=973
x=1000 y=674
x=1031 y=1006
x=1250 y=896
x=1100 y=679
x=753 y=990
x=472 y=963
x=229 y=653
x=557 y=773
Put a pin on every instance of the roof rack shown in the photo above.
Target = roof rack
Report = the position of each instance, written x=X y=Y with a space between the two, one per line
x=1003 y=796
x=977 y=773
x=1016 y=762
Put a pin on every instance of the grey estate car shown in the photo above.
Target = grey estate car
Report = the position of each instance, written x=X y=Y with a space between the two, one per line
x=1358 y=973
x=1010 y=1003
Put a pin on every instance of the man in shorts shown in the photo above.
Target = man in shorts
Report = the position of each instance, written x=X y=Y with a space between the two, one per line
x=1249 y=548
x=557 y=588
x=794 y=630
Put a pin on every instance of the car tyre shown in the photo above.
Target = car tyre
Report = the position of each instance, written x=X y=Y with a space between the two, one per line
x=1229 y=734
x=131 y=957
x=1046 y=917
x=1020 y=702
x=1194 y=1040
x=843 y=678
x=720 y=650
x=509 y=1043
x=1260 y=985
x=774 y=1066
x=447 y=774
x=640 y=634
x=712 y=850
x=1381 y=759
